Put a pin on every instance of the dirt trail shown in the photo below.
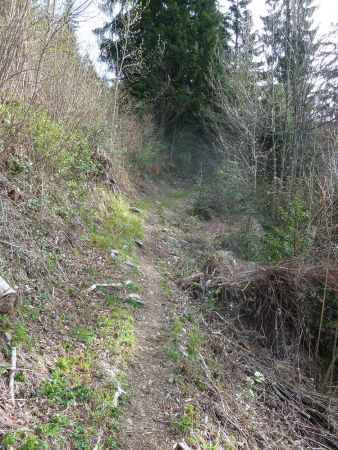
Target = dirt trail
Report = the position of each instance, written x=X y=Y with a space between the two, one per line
x=146 y=423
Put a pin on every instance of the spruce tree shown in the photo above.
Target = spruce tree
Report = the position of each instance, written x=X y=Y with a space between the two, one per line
x=177 y=40
x=240 y=23
x=290 y=45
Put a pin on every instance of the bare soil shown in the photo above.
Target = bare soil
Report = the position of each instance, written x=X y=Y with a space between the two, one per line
x=146 y=423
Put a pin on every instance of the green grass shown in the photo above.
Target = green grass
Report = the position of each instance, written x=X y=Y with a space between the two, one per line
x=119 y=226
x=172 y=354
x=84 y=334
x=58 y=389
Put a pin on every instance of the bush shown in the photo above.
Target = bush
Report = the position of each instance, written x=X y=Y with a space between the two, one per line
x=67 y=151
x=225 y=193
x=247 y=241
x=292 y=235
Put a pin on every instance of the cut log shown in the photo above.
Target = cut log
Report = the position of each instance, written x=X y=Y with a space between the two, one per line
x=9 y=299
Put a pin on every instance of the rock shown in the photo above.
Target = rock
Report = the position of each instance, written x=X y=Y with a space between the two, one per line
x=135 y=210
x=173 y=242
x=4 y=183
x=131 y=265
x=139 y=243
x=135 y=298
x=181 y=446
x=9 y=299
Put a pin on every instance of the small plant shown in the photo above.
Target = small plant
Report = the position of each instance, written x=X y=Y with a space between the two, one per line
x=58 y=389
x=194 y=341
x=80 y=438
x=256 y=379
x=189 y=417
x=231 y=443
x=131 y=286
x=83 y=334
x=173 y=354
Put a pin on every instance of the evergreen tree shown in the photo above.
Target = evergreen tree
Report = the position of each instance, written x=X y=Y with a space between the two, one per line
x=240 y=23
x=177 y=40
x=290 y=46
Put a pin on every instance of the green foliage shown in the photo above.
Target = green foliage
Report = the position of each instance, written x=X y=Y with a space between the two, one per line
x=119 y=226
x=225 y=193
x=293 y=235
x=195 y=339
x=246 y=240
x=172 y=354
x=148 y=156
x=189 y=418
x=177 y=41
x=66 y=150
x=83 y=334
x=80 y=438
x=59 y=390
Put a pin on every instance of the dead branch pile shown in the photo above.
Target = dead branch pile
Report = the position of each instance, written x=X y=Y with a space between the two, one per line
x=283 y=302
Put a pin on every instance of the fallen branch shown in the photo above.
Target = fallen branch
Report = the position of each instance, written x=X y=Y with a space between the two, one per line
x=205 y=367
x=12 y=376
x=98 y=440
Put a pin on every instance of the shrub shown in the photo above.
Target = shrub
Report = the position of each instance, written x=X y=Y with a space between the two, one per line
x=247 y=240
x=225 y=193
x=66 y=150
x=292 y=235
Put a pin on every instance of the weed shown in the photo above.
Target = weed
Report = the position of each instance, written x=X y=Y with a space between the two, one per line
x=132 y=286
x=83 y=334
x=80 y=438
x=172 y=354
x=112 y=300
x=166 y=286
x=22 y=440
x=189 y=417
x=58 y=389
x=119 y=226
x=176 y=327
x=195 y=338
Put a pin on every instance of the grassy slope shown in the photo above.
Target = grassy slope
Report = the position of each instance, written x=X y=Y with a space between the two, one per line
x=58 y=231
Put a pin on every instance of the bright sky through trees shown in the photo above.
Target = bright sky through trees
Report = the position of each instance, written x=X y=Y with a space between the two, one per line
x=326 y=14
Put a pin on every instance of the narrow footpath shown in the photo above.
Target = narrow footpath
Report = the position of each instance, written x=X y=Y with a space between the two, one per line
x=146 y=423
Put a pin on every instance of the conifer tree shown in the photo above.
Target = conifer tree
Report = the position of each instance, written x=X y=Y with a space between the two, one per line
x=177 y=40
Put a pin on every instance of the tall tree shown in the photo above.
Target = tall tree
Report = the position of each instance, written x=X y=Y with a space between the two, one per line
x=291 y=47
x=239 y=19
x=177 y=40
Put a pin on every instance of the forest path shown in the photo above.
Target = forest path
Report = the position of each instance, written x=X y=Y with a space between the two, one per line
x=146 y=422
